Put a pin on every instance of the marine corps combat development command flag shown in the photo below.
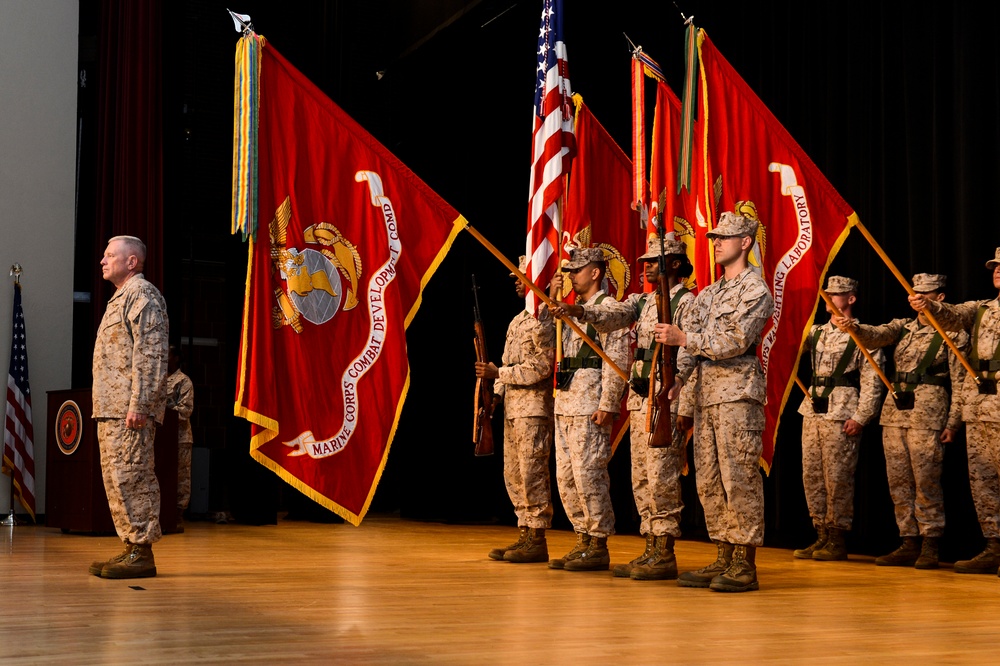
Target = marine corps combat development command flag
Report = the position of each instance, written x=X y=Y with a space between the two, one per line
x=348 y=236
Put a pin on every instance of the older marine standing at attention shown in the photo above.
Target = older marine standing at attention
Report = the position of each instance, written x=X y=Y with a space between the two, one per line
x=724 y=328
x=130 y=379
x=915 y=431
x=980 y=409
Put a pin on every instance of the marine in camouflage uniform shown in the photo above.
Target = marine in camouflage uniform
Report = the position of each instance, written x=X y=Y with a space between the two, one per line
x=655 y=471
x=585 y=406
x=180 y=398
x=847 y=387
x=130 y=373
x=980 y=410
x=524 y=387
x=724 y=328
x=914 y=438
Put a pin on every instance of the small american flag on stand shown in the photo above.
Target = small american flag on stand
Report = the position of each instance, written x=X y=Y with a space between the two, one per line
x=18 y=447
x=552 y=148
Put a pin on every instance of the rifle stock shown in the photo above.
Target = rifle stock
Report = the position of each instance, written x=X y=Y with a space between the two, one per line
x=482 y=420
x=658 y=410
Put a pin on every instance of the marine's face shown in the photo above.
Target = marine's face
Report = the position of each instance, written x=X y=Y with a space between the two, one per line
x=519 y=287
x=117 y=263
x=842 y=301
x=996 y=276
x=584 y=277
x=727 y=249
x=651 y=270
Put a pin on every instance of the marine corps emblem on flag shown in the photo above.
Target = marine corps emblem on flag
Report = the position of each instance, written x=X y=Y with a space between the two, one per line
x=335 y=276
x=618 y=274
x=313 y=288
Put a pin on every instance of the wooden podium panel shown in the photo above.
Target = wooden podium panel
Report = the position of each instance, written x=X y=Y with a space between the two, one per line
x=74 y=496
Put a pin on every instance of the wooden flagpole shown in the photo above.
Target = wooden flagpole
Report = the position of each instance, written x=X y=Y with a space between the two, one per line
x=926 y=312
x=854 y=336
x=545 y=299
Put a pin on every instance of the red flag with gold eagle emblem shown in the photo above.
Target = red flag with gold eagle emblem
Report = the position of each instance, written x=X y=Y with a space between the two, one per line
x=599 y=205
x=804 y=221
x=348 y=237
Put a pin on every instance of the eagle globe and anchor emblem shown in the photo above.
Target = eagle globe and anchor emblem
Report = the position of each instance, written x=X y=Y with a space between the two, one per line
x=317 y=281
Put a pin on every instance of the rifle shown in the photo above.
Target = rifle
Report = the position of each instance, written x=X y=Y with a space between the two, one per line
x=482 y=420
x=658 y=410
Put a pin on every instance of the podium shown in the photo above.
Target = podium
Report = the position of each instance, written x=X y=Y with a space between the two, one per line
x=74 y=498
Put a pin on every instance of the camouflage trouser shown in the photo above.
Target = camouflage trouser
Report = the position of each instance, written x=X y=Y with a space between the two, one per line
x=130 y=480
x=183 y=476
x=727 y=447
x=527 y=442
x=829 y=458
x=656 y=479
x=983 y=440
x=583 y=450
x=913 y=460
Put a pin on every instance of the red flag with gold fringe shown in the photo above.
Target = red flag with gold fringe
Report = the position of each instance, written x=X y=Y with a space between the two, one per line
x=804 y=221
x=335 y=277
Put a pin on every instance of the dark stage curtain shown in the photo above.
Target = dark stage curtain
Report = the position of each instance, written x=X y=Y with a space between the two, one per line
x=898 y=105
x=130 y=137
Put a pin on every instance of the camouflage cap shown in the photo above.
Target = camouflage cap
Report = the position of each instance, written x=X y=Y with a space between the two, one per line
x=925 y=282
x=731 y=224
x=582 y=256
x=670 y=246
x=836 y=284
x=992 y=263
x=522 y=263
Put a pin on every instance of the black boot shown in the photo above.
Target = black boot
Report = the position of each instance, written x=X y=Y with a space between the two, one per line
x=703 y=577
x=904 y=556
x=741 y=576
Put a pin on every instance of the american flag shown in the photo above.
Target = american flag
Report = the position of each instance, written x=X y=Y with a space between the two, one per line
x=18 y=448
x=552 y=148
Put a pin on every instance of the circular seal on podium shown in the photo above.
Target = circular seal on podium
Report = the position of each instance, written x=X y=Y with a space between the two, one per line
x=69 y=427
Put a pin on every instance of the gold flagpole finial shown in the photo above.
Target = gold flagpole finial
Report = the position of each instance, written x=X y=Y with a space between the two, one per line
x=15 y=271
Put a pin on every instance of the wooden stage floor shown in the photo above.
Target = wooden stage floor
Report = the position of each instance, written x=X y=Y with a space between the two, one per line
x=399 y=592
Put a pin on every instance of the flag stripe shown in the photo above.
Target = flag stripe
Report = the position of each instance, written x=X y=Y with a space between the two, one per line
x=552 y=148
x=18 y=439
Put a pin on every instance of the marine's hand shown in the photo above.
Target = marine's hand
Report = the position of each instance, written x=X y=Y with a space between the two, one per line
x=486 y=370
x=669 y=334
x=567 y=309
x=555 y=287
x=845 y=324
x=135 y=421
x=948 y=436
x=601 y=417
x=852 y=427
x=918 y=302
